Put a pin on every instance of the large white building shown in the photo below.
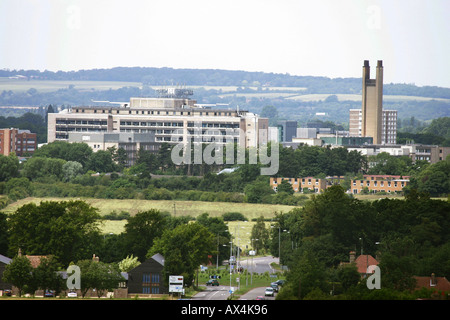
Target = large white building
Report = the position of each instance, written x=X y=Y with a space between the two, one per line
x=170 y=119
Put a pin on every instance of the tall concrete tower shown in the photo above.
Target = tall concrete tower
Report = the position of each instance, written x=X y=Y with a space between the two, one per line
x=372 y=102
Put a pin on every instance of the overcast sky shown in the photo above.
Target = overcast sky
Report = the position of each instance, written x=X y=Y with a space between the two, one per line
x=316 y=37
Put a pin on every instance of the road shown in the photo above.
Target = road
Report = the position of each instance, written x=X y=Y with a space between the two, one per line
x=213 y=293
x=252 y=294
x=257 y=265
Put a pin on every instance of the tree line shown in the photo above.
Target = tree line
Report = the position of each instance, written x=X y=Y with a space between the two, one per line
x=408 y=237
x=68 y=232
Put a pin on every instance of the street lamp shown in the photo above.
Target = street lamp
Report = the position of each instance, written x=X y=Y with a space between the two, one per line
x=217 y=262
x=254 y=251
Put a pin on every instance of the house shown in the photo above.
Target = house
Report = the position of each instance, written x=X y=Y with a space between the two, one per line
x=433 y=282
x=365 y=263
x=147 y=278
x=3 y=262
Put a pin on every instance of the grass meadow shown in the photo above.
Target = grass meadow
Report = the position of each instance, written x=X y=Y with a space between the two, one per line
x=240 y=230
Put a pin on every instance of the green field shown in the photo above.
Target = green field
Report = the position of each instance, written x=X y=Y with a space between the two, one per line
x=358 y=97
x=176 y=208
x=19 y=85
x=241 y=230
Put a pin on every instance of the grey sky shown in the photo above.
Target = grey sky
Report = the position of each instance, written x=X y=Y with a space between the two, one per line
x=320 y=38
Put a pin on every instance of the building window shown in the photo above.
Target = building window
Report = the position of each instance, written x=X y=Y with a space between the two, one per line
x=150 y=283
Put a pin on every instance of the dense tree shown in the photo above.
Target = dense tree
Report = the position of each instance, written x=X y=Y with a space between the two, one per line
x=71 y=169
x=79 y=152
x=285 y=186
x=67 y=230
x=46 y=275
x=100 y=276
x=256 y=191
x=260 y=236
x=43 y=168
x=184 y=249
x=434 y=179
x=18 y=273
x=3 y=234
x=142 y=230
x=101 y=161
x=9 y=167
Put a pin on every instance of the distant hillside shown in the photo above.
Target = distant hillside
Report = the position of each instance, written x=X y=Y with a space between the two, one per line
x=303 y=98
x=216 y=77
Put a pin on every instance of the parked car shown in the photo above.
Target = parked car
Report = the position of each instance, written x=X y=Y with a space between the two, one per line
x=212 y=282
x=7 y=292
x=72 y=294
x=269 y=292
x=49 y=293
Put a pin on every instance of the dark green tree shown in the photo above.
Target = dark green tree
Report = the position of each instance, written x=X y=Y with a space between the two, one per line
x=9 y=167
x=286 y=187
x=142 y=230
x=68 y=230
x=184 y=249
x=18 y=273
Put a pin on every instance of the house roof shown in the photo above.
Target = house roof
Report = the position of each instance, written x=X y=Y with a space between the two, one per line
x=364 y=261
x=5 y=260
x=35 y=260
x=158 y=258
x=439 y=283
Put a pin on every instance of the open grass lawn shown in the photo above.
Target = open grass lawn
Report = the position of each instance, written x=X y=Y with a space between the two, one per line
x=178 y=208
x=174 y=207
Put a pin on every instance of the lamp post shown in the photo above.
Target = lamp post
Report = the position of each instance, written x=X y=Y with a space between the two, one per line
x=217 y=262
x=254 y=251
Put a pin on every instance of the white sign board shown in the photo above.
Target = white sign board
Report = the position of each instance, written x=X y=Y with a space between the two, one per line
x=176 y=284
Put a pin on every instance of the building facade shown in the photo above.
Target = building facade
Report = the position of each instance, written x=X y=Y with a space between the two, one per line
x=131 y=142
x=371 y=120
x=21 y=142
x=147 y=278
x=171 y=120
x=388 y=125
x=300 y=184
x=369 y=183
x=379 y=183
x=430 y=153
x=372 y=102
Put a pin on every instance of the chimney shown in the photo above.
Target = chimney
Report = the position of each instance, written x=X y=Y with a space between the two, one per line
x=352 y=256
x=433 y=280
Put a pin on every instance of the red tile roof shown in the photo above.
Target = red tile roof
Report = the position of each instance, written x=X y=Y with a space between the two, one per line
x=363 y=261
x=440 y=283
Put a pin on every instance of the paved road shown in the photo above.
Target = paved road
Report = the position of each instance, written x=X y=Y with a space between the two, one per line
x=213 y=293
x=252 y=294
x=256 y=265
x=259 y=264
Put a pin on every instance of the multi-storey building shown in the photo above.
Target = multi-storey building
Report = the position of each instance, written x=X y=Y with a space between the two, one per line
x=300 y=184
x=369 y=183
x=173 y=120
x=21 y=142
x=388 y=125
x=430 y=153
x=379 y=183
x=371 y=120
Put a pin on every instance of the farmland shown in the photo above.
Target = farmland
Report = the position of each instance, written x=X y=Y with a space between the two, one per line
x=240 y=230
